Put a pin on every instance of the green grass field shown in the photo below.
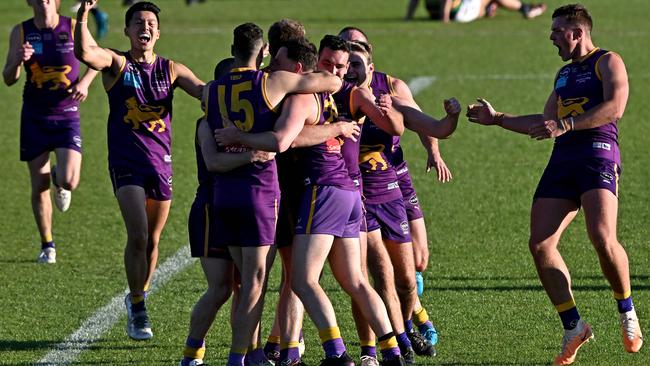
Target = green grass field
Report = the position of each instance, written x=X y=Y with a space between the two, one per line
x=481 y=291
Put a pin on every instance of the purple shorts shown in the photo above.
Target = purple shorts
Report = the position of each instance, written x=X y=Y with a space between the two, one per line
x=246 y=220
x=291 y=195
x=157 y=186
x=411 y=202
x=330 y=210
x=570 y=179
x=38 y=136
x=390 y=218
x=202 y=229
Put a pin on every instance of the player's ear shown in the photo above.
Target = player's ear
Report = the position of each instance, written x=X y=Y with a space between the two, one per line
x=578 y=33
x=298 y=69
x=371 y=67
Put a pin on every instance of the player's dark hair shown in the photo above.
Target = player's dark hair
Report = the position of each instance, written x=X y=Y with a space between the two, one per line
x=223 y=67
x=282 y=31
x=362 y=47
x=334 y=43
x=353 y=28
x=247 y=38
x=303 y=51
x=574 y=13
x=141 y=6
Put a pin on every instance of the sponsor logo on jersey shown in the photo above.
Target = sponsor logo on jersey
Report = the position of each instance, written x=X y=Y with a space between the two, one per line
x=607 y=177
x=64 y=37
x=602 y=145
x=562 y=79
x=77 y=140
x=71 y=109
x=392 y=185
x=404 y=225
x=167 y=158
x=414 y=200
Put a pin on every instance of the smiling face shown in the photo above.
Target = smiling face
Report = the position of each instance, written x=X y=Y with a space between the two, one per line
x=335 y=62
x=143 y=30
x=359 y=70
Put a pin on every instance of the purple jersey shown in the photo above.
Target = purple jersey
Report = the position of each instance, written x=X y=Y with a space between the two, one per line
x=51 y=71
x=579 y=88
x=323 y=164
x=241 y=96
x=349 y=148
x=203 y=175
x=379 y=176
x=139 y=122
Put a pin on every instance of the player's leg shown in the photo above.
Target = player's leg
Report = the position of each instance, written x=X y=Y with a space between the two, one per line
x=365 y=333
x=253 y=264
x=157 y=213
x=39 y=174
x=68 y=168
x=601 y=209
x=344 y=261
x=218 y=273
x=132 y=202
x=290 y=312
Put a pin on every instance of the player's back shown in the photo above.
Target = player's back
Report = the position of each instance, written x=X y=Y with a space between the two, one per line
x=240 y=96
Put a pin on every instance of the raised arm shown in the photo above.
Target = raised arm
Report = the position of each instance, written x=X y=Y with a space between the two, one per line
x=220 y=162
x=188 y=81
x=386 y=118
x=86 y=48
x=297 y=110
x=281 y=83
x=17 y=53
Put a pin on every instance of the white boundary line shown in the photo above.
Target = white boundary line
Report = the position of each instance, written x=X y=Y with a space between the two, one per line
x=105 y=318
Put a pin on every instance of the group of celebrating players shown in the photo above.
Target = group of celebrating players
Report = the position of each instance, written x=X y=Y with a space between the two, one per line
x=304 y=156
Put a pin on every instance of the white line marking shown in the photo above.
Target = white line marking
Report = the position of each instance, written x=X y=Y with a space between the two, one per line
x=105 y=318
x=420 y=83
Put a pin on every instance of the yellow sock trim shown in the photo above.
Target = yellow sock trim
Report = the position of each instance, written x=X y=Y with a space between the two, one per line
x=253 y=347
x=135 y=299
x=420 y=316
x=194 y=352
x=367 y=343
x=623 y=296
x=274 y=339
x=329 y=334
x=388 y=343
x=565 y=306
x=146 y=287
x=291 y=344
x=239 y=351
x=47 y=238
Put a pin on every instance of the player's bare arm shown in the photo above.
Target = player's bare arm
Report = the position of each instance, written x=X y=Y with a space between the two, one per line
x=89 y=52
x=281 y=83
x=297 y=110
x=218 y=162
x=483 y=113
x=187 y=81
x=17 y=53
x=79 y=91
x=383 y=116
x=314 y=135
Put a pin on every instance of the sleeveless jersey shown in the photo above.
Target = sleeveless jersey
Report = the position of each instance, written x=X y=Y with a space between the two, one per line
x=241 y=97
x=379 y=176
x=139 y=122
x=579 y=88
x=323 y=164
x=349 y=148
x=51 y=71
x=203 y=176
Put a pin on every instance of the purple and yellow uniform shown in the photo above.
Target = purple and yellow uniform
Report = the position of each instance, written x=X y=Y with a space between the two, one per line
x=349 y=147
x=245 y=198
x=585 y=159
x=331 y=203
x=200 y=225
x=291 y=189
x=139 y=126
x=383 y=199
x=50 y=117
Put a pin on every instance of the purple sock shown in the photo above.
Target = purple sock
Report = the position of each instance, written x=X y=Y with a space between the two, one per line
x=390 y=353
x=235 y=359
x=403 y=341
x=424 y=327
x=256 y=356
x=408 y=325
x=47 y=244
x=624 y=305
x=369 y=351
x=291 y=353
x=334 y=347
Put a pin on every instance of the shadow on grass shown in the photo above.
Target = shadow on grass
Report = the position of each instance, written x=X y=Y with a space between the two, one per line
x=14 y=345
x=488 y=363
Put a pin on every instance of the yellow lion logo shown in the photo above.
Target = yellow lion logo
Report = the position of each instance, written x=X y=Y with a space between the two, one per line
x=571 y=107
x=372 y=154
x=55 y=74
x=141 y=113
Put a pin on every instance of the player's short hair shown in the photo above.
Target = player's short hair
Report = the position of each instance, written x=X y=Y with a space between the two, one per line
x=282 y=31
x=574 y=13
x=303 y=51
x=247 y=37
x=362 y=47
x=223 y=67
x=334 y=43
x=141 y=6
x=353 y=28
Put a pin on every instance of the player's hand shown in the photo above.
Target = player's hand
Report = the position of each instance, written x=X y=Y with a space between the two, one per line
x=385 y=103
x=261 y=156
x=442 y=171
x=546 y=129
x=452 y=107
x=25 y=52
x=228 y=135
x=86 y=5
x=348 y=130
x=79 y=91
x=482 y=113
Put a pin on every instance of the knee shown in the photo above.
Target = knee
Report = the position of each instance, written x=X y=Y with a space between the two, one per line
x=137 y=240
x=303 y=287
x=218 y=295
x=40 y=184
x=69 y=184
x=540 y=248
x=406 y=286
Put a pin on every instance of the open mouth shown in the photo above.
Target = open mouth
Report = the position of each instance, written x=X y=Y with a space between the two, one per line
x=144 y=37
